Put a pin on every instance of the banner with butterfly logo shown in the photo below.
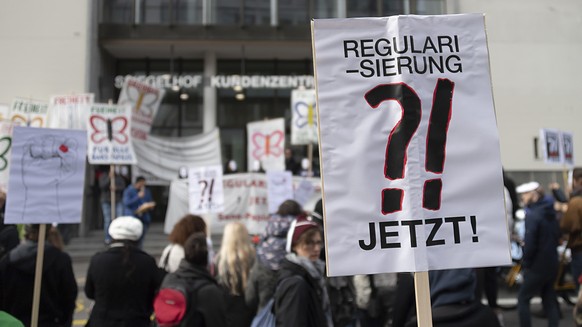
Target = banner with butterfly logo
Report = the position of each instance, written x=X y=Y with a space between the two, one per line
x=108 y=135
x=144 y=101
x=26 y=112
x=5 y=146
x=266 y=144
x=205 y=189
x=303 y=117
x=69 y=111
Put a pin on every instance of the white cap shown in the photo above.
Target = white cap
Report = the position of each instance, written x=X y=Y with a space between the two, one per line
x=527 y=187
x=126 y=228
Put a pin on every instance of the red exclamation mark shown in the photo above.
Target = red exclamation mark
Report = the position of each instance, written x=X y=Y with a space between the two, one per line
x=436 y=141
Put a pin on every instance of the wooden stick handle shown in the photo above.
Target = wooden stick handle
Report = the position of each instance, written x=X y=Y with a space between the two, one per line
x=423 y=306
x=38 y=275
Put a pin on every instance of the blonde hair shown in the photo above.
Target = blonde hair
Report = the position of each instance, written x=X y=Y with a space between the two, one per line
x=236 y=257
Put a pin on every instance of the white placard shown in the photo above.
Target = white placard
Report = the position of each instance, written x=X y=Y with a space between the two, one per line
x=551 y=147
x=205 y=190
x=24 y=112
x=303 y=117
x=47 y=176
x=144 y=101
x=5 y=147
x=280 y=188
x=4 y=112
x=567 y=145
x=409 y=143
x=266 y=144
x=304 y=191
x=69 y=111
x=108 y=135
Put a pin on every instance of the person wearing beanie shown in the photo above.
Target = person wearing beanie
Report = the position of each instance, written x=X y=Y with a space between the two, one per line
x=122 y=280
x=301 y=297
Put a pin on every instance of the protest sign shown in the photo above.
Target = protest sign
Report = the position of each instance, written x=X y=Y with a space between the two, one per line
x=266 y=144
x=303 y=117
x=557 y=147
x=5 y=146
x=144 y=101
x=69 y=111
x=108 y=127
x=304 y=191
x=567 y=145
x=280 y=188
x=47 y=176
x=4 y=112
x=411 y=167
x=24 y=112
x=205 y=189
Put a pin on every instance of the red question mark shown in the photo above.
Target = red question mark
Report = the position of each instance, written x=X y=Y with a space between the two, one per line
x=401 y=134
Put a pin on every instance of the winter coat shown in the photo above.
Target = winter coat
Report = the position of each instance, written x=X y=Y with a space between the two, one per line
x=59 y=287
x=8 y=239
x=260 y=286
x=123 y=282
x=571 y=222
x=298 y=298
x=210 y=298
x=542 y=235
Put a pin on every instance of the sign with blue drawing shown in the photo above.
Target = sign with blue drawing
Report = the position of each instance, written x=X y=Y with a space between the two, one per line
x=47 y=176
x=303 y=117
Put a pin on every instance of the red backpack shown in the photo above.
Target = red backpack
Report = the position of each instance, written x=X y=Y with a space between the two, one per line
x=176 y=298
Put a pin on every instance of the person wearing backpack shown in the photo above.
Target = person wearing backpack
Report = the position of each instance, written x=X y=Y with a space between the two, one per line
x=190 y=296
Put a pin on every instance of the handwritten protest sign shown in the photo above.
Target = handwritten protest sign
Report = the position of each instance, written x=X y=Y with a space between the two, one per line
x=47 y=176
x=303 y=117
x=24 y=112
x=266 y=144
x=69 y=111
x=205 y=189
x=144 y=101
x=410 y=152
x=280 y=188
x=108 y=129
x=5 y=147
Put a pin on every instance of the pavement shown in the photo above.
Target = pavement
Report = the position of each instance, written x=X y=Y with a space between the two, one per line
x=81 y=249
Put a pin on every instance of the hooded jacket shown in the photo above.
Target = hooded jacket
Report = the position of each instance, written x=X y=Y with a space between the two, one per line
x=59 y=287
x=542 y=234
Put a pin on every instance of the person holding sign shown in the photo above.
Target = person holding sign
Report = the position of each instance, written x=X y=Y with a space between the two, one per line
x=137 y=202
x=105 y=187
x=540 y=257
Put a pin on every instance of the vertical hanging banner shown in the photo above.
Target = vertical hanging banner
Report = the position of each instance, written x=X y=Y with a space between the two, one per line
x=69 y=111
x=5 y=147
x=266 y=144
x=24 y=112
x=410 y=154
x=303 y=117
x=567 y=145
x=47 y=176
x=205 y=190
x=144 y=101
x=108 y=135
x=551 y=148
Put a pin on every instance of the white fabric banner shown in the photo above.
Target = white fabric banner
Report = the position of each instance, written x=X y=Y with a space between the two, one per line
x=245 y=200
x=144 y=101
x=280 y=188
x=5 y=147
x=69 y=111
x=410 y=151
x=108 y=127
x=303 y=117
x=266 y=144
x=47 y=177
x=205 y=189
x=24 y=112
x=160 y=158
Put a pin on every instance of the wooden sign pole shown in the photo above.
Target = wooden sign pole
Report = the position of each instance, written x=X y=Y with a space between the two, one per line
x=310 y=158
x=112 y=191
x=423 y=305
x=38 y=275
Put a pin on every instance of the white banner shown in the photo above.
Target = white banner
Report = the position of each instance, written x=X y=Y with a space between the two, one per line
x=24 y=112
x=69 y=111
x=205 y=189
x=303 y=117
x=245 y=200
x=5 y=147
x=266 y=144
x=144 y=101
x=280 y=188
x=108 y=127
x=47 y=176
x=410 y=151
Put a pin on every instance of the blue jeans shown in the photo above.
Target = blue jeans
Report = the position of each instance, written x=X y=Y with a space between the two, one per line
x=576 y=266
x=106 y=207
x=543 y=284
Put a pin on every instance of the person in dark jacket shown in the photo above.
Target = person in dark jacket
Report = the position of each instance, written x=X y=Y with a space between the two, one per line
x=59 y=287
x=301 y=297
x=122 y=280
x=540 y=257
x=8 y=233
x=207 y=306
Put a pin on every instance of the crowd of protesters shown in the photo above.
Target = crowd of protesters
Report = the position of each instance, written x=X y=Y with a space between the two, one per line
x=281 y=278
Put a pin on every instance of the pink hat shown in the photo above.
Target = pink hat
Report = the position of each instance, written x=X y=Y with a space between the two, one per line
x=298 y=227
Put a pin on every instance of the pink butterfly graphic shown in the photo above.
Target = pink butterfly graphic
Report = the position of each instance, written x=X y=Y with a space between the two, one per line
x=267 y=144
x=108 y=129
